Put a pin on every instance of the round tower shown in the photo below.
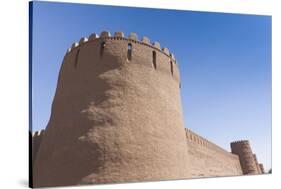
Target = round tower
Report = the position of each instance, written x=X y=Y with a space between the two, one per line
x=243 y=150
x=257 y=164
x=116 y=115
x=262 y=168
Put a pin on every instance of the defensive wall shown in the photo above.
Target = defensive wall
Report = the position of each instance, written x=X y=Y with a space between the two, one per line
x=207 y=159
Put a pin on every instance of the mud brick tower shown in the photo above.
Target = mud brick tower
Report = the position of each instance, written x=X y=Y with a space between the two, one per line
x=116 y=115
x=262 y=168
x=247 y=159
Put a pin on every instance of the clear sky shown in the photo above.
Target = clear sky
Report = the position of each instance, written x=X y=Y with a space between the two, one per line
x=225 y=64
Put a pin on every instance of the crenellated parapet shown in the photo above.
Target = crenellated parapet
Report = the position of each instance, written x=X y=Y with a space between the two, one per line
x=192 y=136
x=243 y=149
x=129 y=48
x=195 y=138
x=133 y=37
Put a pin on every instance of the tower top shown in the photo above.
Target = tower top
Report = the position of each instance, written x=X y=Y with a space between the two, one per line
x=132 y=37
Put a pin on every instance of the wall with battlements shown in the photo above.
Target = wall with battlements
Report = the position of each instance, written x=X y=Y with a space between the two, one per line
x=208 y=159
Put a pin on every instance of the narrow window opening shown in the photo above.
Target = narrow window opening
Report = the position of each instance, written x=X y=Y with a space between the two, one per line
x=102 y=46
x=129 y=52
x=154 y=59
x=76 y=58
x=172 y=69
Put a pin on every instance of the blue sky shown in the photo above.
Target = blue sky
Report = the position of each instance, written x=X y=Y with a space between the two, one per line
x=225 y=64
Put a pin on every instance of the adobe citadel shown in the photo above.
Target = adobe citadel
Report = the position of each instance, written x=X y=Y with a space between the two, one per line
x=117 y=117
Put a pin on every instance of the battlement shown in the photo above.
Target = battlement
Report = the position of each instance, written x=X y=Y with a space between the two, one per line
x=107 y=50
x=240 y=142
x=133 y=37
x=193 y=137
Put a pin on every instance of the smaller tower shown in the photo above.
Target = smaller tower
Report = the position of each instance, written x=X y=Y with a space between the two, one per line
x=262 y=168
x=257 y=163
x=243 y=150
